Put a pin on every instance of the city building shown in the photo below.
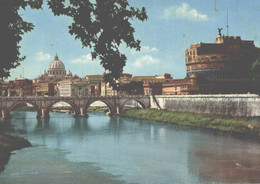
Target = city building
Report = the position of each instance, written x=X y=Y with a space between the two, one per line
x=41 y=89
x=107 y=90
x=19 y=87
x=73 y=87
x=94 y=84
x=153 y=84
x=46 y=84
x=56 y=72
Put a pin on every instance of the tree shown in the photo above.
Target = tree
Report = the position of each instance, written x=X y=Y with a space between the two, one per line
x=255 y=69
x=11 y=31
x=134 y=87
x=28 y=82
x=255 y=75
x=102 y=25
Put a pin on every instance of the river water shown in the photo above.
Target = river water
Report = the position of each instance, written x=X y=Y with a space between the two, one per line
x=102 y=149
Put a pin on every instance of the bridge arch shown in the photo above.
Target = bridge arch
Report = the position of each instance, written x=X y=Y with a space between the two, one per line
x=16 y=104
x=72 y=105
x=111 y=107
x=140 y=102
x=7 y=112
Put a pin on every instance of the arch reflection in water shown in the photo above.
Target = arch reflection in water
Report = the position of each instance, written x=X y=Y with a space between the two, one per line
x=27 y=121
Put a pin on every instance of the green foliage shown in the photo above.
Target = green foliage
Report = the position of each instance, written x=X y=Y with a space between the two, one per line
x=103 y=25
x=132 y=87
x=255 y=69
x=11 y=31
x=28 y=82
x=250 y=126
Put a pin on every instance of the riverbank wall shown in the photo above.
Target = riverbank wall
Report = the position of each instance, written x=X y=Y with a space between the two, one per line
x=242 y=105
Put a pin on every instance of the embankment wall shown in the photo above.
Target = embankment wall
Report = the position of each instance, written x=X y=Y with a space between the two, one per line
x=232 y=105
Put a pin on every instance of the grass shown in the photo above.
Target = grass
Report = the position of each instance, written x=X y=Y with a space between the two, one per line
x=98 y=109
x=25 y=108
x=8 y=144
x=246 y=126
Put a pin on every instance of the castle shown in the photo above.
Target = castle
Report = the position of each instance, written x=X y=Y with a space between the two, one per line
x=220 y=67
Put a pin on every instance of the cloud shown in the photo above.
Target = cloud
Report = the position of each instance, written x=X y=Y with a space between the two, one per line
x=84 y=59
x=145 y=60
x=184 y=12
x=148 y=49
x=145 y=49
x=40 y=56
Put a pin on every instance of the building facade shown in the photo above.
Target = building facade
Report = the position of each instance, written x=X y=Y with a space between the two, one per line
x=18 y=87
x=73 y=87
x=94 y=84
x=42 y=89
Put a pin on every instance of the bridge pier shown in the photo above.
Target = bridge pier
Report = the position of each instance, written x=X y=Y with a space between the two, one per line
x=117 y=110
x=5 y=114
x=44 y=114
x=82 y=112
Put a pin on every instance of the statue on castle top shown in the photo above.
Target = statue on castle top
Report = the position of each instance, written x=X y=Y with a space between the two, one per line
x=219 y=31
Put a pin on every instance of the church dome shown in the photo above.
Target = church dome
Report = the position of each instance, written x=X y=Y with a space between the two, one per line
x=56 y=68
x=56 y=64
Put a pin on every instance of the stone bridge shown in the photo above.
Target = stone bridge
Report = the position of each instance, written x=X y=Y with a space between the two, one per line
x=43 y=105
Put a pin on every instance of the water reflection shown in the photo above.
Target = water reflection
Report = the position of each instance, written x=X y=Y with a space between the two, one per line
x=224 y=159
x=142 y=151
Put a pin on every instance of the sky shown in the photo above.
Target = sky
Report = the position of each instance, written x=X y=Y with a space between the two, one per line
x=172 y=26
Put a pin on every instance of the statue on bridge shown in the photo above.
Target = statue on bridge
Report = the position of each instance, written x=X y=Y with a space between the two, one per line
x=8 y=92
x=21 y=92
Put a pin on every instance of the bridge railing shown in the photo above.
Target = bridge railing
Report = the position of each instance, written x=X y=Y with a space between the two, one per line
x=67 y=97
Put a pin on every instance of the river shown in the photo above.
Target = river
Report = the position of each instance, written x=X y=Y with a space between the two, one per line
x=102 y=149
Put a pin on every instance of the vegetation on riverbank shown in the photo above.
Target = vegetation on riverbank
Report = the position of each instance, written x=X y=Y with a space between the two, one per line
x=8 y=144
x=25 y=108
x=247 y=126
x=98 y=109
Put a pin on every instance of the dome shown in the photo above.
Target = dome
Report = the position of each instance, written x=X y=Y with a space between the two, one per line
x=69 y=73
x=56 y=64
x=56 y=68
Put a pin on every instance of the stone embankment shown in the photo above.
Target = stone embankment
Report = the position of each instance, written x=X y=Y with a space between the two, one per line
x=240 y=105
x=232 y=125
